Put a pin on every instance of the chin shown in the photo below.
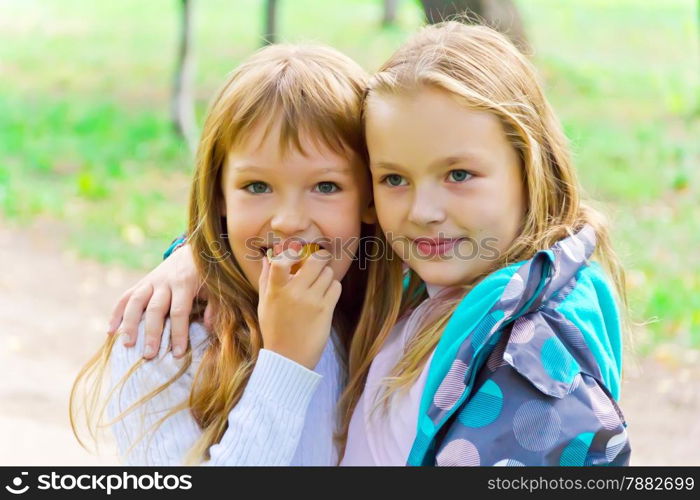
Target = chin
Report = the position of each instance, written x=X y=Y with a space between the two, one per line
x=442 y=273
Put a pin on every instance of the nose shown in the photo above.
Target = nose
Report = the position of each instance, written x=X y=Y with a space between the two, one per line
x=426 y=208
x=291 y=217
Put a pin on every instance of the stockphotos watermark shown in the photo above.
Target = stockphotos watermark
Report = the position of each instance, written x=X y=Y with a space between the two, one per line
x=369 y=247
x=100 y=482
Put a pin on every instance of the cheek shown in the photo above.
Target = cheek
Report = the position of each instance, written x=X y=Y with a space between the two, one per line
x=344 y=235
x=513 y=214
x=341 y=223
x=243 y=228
x=341 y=265
x=519 y=207
x=389 y=209
x=502 y=216
x=341 y=218
x=241 y=222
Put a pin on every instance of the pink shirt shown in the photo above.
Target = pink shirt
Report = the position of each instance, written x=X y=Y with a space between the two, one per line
x=379 y=436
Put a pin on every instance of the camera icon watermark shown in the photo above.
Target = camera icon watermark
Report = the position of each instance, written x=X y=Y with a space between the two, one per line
x=16 y=488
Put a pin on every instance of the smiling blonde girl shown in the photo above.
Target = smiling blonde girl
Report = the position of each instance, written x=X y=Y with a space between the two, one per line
x=504 y=348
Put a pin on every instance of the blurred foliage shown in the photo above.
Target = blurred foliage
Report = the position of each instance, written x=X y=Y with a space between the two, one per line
x=85 y=137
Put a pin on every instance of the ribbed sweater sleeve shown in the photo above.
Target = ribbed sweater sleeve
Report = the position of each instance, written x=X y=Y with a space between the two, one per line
x=286 y=415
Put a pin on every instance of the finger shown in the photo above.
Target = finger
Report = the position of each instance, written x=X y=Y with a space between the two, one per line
x=183 y=299
x=118 y=311
x=333 y=293
x=157 y=310
x=311 y=268
x=264 y=275
x=281 y=268
x=320 y=286
x=133 y=312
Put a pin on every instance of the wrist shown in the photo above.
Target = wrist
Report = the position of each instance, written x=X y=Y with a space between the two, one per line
x=282 y=380
x=293 y=353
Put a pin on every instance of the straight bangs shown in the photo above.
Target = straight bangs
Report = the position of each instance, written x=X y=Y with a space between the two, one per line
x=310 y=91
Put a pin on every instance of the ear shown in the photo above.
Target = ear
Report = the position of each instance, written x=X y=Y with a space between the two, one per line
x=369 y=214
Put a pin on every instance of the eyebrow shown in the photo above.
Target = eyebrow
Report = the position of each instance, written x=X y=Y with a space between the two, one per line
x=338 y=170
x=325 y=170
x=442 y=162
x=246 y=168
x=385 y=165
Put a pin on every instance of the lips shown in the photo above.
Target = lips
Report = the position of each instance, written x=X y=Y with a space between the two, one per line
x=296 y=244
x=431 y=247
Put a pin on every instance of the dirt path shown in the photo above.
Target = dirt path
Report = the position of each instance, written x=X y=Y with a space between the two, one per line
x=54 y=310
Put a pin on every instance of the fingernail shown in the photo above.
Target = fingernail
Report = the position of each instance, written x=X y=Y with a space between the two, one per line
x=125 y=338
x=269 y=254
x=178 y=351
x=148 y=351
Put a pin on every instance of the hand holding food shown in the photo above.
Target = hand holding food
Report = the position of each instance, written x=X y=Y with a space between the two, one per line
x=295 y=309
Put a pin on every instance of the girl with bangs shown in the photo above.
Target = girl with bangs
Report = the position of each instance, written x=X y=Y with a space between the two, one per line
x=281 y=164
x=491 y=331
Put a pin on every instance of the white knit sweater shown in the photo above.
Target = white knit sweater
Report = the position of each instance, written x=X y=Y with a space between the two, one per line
x=286 y=415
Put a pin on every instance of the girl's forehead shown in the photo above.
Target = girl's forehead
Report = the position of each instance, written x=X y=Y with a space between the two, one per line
x=269 y=143
x=269 y=155
x=268 y=162
x=429 y=125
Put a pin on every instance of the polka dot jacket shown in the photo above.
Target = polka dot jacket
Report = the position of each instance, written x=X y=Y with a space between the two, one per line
x=527 y=371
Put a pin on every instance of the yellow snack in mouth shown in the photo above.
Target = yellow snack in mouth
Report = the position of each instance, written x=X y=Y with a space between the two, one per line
x=304 y=254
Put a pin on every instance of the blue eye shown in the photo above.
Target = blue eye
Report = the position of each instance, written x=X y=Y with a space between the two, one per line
x=258 y=188
x=459 y=175
x=394 y=180
x=327 y=187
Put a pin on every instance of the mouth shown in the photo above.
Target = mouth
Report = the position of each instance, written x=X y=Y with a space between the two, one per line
x=279 y=247
x=431 y=247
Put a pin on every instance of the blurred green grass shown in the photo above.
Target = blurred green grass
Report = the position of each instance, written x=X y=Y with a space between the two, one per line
x=85 y=138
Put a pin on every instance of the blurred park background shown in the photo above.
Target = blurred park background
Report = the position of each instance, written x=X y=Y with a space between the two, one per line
x=94 y=177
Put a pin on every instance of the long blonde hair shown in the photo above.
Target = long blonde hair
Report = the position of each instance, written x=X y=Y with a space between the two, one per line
x=304 y=89
x=482 y=69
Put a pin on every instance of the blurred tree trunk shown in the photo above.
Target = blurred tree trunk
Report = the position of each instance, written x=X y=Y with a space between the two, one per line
x=182 y=104
x=389 y=17
x=502 y=15
x=270 y=35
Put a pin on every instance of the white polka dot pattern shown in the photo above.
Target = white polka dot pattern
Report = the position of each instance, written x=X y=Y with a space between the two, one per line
x=603 y=408
x=514 y=288
x=536 y=425
x=451 y=387
x=615 y=444
x=523 y=331
x=496 y=360
x=508 y=462
x=459 y=452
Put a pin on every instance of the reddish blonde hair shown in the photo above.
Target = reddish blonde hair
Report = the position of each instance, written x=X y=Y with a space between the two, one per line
x=304 y=89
